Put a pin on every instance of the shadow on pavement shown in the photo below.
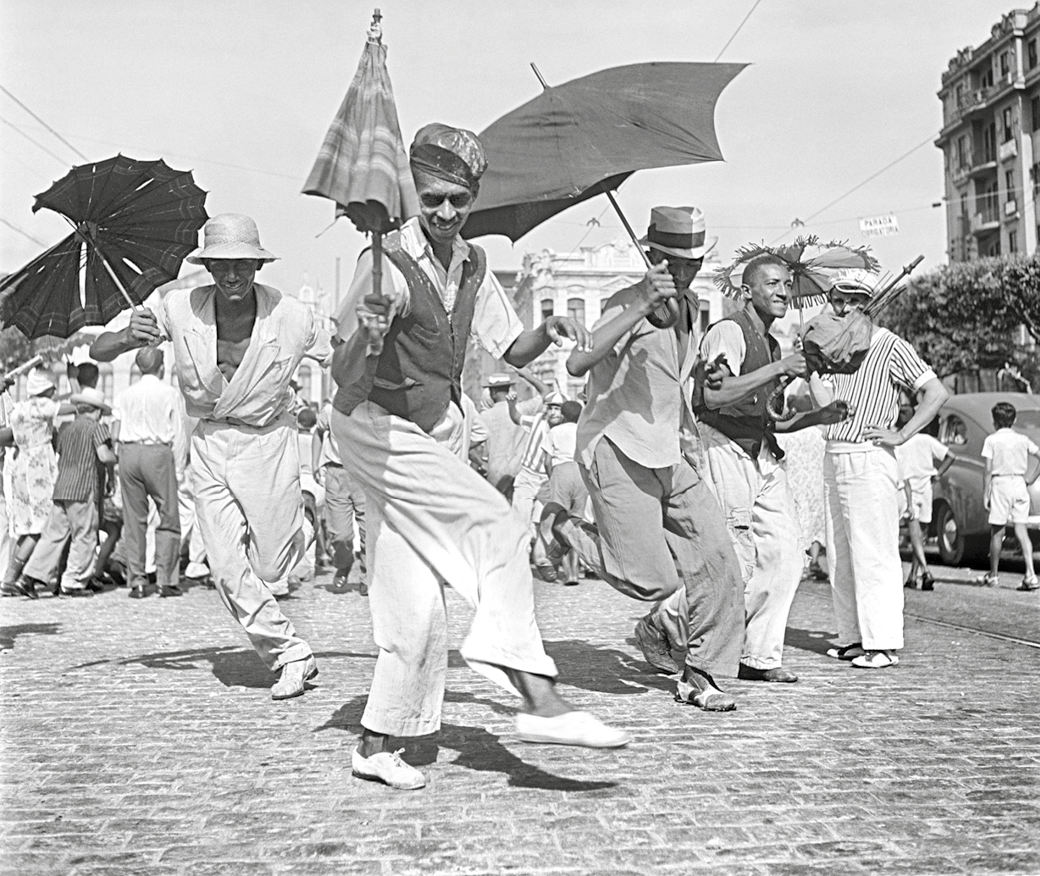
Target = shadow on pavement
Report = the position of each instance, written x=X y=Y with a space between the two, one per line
x=10 y=633
x=232 y=666
x=604 y=670
x=477 y=748
x=816 y=641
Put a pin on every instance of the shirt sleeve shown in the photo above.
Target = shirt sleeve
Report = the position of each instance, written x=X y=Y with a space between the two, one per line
x=907 y=368
x=162 y=317
x=393 y=286
x=1033 y=449
x=495 y=323
x=101 y=435
x=987 y=448
x=319 y=343
x=724 y=338
x=939 y=450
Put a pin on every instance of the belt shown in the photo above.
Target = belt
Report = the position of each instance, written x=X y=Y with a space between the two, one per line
x=147 y=443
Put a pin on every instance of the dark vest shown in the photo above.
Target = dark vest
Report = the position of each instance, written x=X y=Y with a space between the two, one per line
x=746 y=422
x=419 y=371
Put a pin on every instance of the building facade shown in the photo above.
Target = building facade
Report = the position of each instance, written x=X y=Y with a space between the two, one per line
x=579 y=285
x=990 y=140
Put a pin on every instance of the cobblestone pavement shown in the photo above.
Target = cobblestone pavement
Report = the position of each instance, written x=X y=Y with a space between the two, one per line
x=140 y=738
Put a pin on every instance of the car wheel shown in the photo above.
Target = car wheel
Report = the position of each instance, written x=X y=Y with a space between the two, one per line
x=949 y=535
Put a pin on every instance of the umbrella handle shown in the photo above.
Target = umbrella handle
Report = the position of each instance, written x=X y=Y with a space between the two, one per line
x=667 y=315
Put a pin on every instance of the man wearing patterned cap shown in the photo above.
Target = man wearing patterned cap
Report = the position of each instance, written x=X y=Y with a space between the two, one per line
x=431 y=518
x=860 y=474
x=236 y=344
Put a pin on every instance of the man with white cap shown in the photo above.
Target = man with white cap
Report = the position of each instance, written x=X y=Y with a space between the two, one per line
x=150 y=431
x=431 y=518
x=236 y=344
x=659 y=529
x=860 y=474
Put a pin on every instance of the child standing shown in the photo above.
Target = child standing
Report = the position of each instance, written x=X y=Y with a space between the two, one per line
x=917 y=471
x=566 y=487
x=1005 y=493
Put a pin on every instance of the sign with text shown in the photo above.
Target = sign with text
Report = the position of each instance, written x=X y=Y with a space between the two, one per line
x=879 y=226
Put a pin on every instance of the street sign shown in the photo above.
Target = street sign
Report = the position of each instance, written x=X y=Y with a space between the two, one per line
x=879 y=226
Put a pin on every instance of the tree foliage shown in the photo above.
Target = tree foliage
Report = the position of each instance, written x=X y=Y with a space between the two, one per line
x=968 y=316
x=14 y=349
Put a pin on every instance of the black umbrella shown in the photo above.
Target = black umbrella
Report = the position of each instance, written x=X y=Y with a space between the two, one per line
x=587 y=136
x=133 y=224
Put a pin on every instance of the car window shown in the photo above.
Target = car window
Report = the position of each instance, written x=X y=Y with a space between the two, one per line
x=953 y=431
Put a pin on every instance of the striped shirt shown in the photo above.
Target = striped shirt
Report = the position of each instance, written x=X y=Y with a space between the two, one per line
x=873 y=391
x=79 y=469
x=538 y=428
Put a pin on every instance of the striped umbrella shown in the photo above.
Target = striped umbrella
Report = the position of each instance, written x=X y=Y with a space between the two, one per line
x=363 y=164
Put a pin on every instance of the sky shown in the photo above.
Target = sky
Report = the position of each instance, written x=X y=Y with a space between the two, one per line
x=243 y=91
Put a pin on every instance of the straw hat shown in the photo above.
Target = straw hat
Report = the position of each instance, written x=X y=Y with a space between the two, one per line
x=91 y=396
x=231 y=236
x=39 y=382
x=679 y=231
x=500 y=381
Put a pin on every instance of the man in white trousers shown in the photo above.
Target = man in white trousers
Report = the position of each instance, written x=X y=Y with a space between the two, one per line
x=431 y=518
x=860 y=475
x=236 y=344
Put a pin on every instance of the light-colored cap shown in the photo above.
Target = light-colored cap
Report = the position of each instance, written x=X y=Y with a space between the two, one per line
x=500 y=380
x=230 y=236
x=39 y=382
x=855 y=281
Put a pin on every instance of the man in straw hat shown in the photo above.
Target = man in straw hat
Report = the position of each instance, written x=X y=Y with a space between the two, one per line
x=151 y=431
x=860 y=475
x=431 y=518
x=236 y=344
x=659 y=528
x=83 y=443
x=506 y=432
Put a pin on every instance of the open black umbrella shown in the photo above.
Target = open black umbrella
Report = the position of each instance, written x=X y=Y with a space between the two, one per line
x=587 y=136
x=133 y=223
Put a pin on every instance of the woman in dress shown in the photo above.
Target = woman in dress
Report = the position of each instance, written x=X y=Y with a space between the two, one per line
x=29 y=470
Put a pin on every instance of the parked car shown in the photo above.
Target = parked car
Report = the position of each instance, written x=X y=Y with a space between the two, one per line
x=958 y=515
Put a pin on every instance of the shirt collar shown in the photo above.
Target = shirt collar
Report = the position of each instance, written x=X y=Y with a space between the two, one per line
x=420 y=246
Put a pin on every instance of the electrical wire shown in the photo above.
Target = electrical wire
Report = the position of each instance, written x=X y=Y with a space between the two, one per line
x=42 y=122
x=35 y=143
x=739 y=26
x=14 y=227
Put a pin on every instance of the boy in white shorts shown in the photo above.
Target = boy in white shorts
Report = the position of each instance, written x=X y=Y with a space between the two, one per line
x=1005 y=493
x=917 y=458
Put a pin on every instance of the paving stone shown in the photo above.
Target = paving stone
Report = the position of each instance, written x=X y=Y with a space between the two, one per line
x=183 y=765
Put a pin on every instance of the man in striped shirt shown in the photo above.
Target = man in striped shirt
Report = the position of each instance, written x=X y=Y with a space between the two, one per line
x=860 y=475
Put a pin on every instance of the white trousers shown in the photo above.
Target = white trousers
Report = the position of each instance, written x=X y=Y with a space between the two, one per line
x=249 y=507
x=863 y=544
x=432 y=519
x=763 y=523
x=525 y=494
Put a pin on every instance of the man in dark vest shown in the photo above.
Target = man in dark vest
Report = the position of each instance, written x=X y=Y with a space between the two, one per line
x=431 y=518
x=745 y=461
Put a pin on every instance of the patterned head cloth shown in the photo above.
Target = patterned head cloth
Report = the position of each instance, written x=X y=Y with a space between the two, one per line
x=451 y=154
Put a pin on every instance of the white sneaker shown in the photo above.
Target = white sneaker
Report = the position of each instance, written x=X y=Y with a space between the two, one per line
x=388 y=768
x=875 y=660
x=570 y=728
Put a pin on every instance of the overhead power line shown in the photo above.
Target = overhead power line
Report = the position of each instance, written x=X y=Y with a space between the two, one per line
x=42 y=122
x=14 y=227
x=739 y=26
x=35 y=143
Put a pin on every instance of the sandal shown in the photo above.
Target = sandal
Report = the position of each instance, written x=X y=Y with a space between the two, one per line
x=1029 y=584
x=848 y=652
x=987 y=580
x=927 y=581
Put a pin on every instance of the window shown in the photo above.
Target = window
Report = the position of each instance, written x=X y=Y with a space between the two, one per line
x=1034 y=108
x=1006 y=124
x=989 y=143
x=1012 y=241
x=986 y=80
x=1009 y=185
x=576 y=309
x=704 y=320
x=305 y=379
x=547 y=308
x=1031 y=53
x=962 y=153
x=1005 y=65
x=953 y=431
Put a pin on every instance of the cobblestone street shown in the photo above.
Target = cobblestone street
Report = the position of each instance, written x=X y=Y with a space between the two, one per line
x=140 y=738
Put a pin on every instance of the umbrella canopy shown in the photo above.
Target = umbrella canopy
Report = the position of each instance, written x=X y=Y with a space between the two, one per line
x=588 y=135
x=363 y=165
x=812 y=265
x=134 y=222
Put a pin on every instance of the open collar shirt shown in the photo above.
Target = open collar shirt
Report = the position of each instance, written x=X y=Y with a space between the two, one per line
x=258 y=393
